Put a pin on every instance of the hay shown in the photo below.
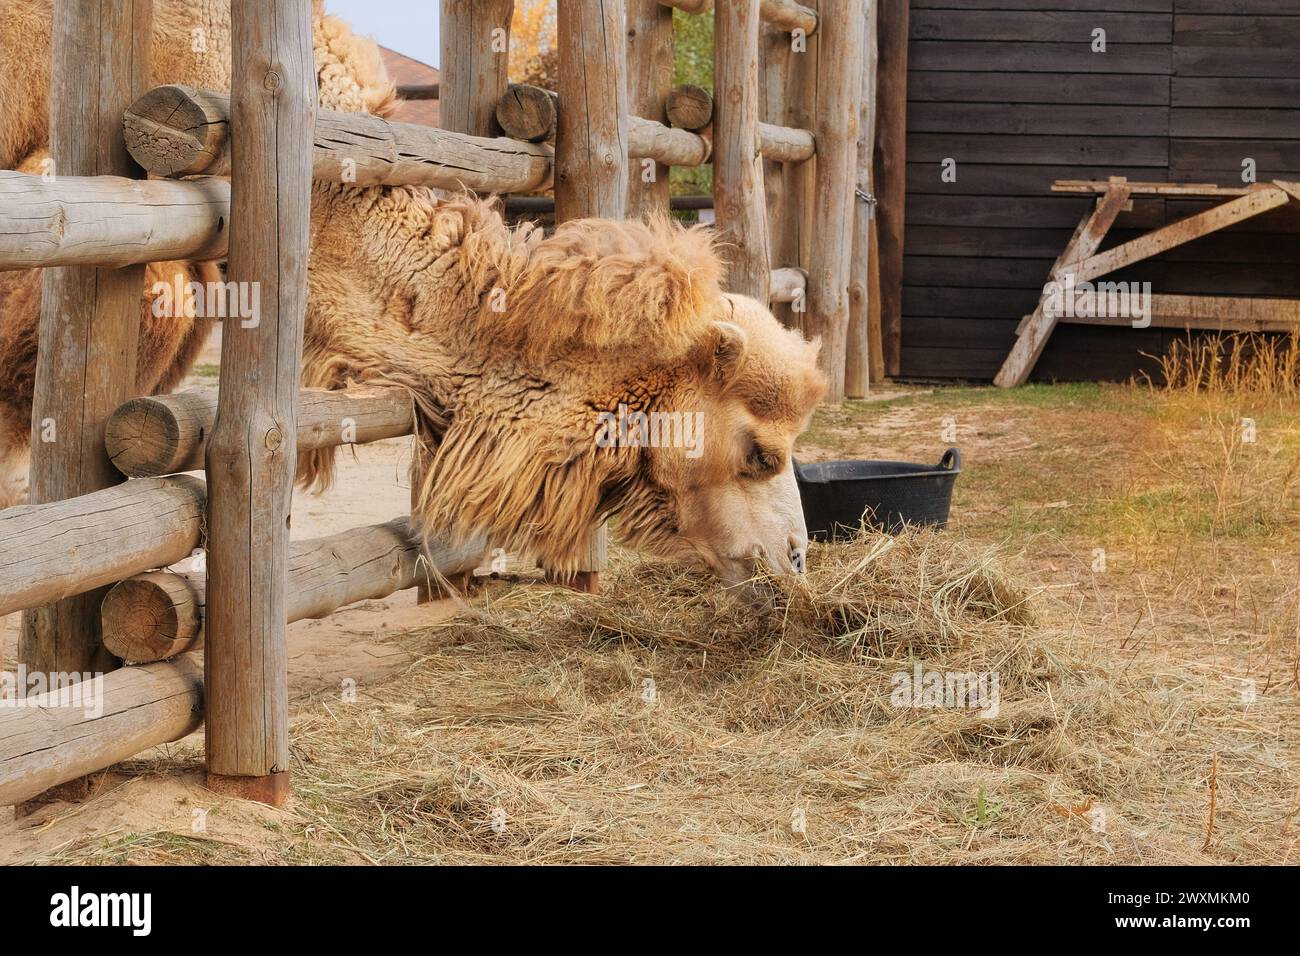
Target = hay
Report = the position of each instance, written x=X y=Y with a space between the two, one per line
x=664 y=721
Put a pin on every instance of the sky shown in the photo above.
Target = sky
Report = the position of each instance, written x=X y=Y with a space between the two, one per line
x=407 y=26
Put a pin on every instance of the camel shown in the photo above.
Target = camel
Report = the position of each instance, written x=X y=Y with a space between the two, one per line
x=519 y=348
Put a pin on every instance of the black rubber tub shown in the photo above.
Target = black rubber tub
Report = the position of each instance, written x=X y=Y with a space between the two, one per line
x=886 y=495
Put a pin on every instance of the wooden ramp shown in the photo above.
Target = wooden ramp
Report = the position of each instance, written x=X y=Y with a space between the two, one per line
x=1081 y=262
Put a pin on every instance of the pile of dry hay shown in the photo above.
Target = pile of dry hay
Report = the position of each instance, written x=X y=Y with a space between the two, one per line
x=665 y=721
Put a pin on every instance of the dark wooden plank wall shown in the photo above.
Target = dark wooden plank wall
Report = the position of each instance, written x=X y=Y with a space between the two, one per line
x=1012 y=91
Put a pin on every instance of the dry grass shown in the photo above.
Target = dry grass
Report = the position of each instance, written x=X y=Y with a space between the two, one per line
x=665 y=722
x=1147 y=714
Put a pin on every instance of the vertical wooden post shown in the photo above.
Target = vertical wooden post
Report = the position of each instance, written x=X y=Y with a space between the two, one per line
x=799 y=178
x=738 y=196
x=890 y=170
x=251 y=455
x=591 y=141
x=474 y=39
x=650 y=78
x=863 y=355
x=782 y=233
x=839 y=72
x=90 y=317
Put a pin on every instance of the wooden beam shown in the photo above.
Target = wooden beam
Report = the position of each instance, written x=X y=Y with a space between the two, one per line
x=690 y=107
x=788 y=284
x=890 y=171
x=839 y=90
x=158 y=615
x=165 y=434
x=527 y=112
x=61 y=738
x=737 y=164
x=53 y=551
x=790 y=16
x=355 y=148
x=666 y=146
x=109 y=221
x=591 y=146
x=1098 y=186
x=650 y=80
x=1088 y=236
x=864 y=341
x=1225 y=313
x=252 y=451
x=689 y=6
x=90 y=317
x=1178 y=233
x=474 y=66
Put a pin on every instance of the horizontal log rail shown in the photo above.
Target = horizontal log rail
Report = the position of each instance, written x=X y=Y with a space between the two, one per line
x=52 y=551
x=52 y=738
x=785 y=14
x=158 y=615
x=353 y=148
x=164 y=434
x=647 y=139
x=529 y=113
x=787 y=285
x=785 y=144
x=109 y=221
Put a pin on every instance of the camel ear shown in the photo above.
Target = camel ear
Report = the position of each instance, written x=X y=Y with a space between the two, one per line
x=722 y=354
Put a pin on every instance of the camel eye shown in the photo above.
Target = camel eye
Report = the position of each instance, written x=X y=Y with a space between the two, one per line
x=761 y=462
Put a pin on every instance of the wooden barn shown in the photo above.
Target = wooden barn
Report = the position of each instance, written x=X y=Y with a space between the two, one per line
x=1019 y=94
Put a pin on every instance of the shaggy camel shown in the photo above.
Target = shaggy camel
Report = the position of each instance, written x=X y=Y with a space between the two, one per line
x=518 y=349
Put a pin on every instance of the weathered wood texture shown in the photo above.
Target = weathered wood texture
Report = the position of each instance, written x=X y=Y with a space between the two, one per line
x=1089 y=235
x=650 y=79
x=689 y=6
x=354 y=148
x=63 y=548
x=788 y=15
x=665 y=146
x=591 y=144
x=890 y=170
x=839 y=89
x=527 y=112
x=154 y=616
x=530 y=113
x=788 y=284
x=62 y=738
x=109 y=221
x=90 y=317
x=863 y=362
x=251 y=454
x=689 y=107
x=591 y=170
x=738 y=197
x=475 y=41
x=1186 y=91
x=164 y=434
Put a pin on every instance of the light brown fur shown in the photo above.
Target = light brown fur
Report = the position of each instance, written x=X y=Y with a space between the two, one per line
x=513 y=345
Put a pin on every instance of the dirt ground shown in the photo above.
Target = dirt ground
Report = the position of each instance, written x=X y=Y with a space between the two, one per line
x=1157 y=543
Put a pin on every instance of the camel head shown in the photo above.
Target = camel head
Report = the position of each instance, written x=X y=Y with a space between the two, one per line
x=602 y=374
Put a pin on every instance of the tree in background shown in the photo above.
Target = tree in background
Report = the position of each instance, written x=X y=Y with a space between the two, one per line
x=533 y=57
